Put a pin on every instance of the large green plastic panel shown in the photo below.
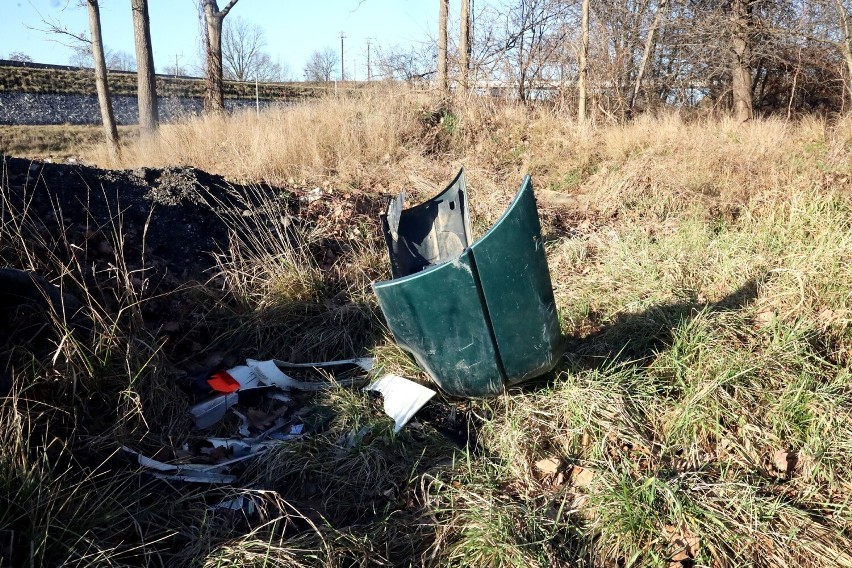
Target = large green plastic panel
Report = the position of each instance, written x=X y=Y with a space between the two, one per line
x=438 y=317
x=480 y=319
x=512 y=267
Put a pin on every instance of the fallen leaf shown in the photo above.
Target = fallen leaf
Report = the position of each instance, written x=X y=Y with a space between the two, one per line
x=547 y=466
x=685 y=544
x=581 y=477
x=763 y=318
x=785 y=461
x=262 y=420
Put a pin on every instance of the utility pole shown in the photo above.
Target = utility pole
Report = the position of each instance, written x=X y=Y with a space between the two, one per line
x=369 y=74
x=176 y=64
x=342 y=37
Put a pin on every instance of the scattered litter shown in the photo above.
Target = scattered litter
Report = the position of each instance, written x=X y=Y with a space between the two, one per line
x=403 y=398
x=268 y=372
x=196 y=473
x=265 y=395
x=312 y=195
x=197 y=477
x=256 y=374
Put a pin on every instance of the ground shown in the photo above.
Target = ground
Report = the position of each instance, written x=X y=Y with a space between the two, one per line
x=701 y=415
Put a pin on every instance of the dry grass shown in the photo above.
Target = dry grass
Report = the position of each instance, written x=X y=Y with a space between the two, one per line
x=81 y=82
x=702 y=273
x=54 y=142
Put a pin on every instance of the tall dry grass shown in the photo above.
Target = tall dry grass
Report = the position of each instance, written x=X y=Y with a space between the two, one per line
x=387 y=140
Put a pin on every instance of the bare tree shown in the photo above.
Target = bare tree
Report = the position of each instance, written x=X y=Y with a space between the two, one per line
x=646 y=54
x=213 y=18
x=110 y=130
x=242 y=49
x=405 y=64
x=81 y=54
x=119 y=60
x=443 y=16
x=146 y=83
x=20 y=56
x=741 y=44
x=464 y=44
x=535 y=44
x=321 y=64
x=584 y=62
x=844 y=43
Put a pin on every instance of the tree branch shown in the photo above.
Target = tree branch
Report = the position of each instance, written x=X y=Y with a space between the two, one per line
x=224 y=11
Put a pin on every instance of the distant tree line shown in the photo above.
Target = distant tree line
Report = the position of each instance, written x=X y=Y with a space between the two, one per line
x=629 y=56
x=609 y=57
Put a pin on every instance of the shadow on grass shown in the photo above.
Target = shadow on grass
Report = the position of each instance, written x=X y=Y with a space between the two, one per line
x=634 y=338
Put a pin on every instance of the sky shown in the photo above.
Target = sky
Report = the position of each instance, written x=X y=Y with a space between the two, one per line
x=293 y=28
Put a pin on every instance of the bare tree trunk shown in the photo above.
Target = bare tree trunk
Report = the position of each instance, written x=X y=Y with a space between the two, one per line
x=464 y=43
x=846 y=44
x=646 y=55
x=584 y=62
x=146 y=93
x=213 y=18
x=741 y=63
x=110 y=131
x=443 y=84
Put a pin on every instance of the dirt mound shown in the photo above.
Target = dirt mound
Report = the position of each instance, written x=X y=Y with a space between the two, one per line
x=166 y=223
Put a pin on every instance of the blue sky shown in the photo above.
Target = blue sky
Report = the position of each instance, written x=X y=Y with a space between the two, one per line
x=293 y=28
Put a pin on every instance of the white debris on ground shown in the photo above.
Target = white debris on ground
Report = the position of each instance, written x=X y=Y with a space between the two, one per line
x=403 y=398
x=259 y=431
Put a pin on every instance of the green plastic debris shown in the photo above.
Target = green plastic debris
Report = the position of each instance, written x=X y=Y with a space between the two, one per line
x=477 y=317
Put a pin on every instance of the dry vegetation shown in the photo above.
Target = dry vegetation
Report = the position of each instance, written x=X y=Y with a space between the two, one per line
x=53 y=141
x=81 y=82
x=702 y=415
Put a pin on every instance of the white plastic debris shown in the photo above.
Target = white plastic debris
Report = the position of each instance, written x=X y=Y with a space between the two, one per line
x=402 y=397
x=212 y=411
x=244 y=424
x=365 y=363
x=270 y=374
x=191 y=472
x=239 y=504
x=244 y=375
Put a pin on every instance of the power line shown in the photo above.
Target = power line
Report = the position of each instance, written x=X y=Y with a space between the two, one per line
x=369 y=74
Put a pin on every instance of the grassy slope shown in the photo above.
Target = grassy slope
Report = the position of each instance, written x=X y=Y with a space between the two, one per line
x=702 y=415
x=59 y=81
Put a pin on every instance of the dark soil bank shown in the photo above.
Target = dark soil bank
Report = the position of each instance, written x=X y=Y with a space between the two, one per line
x=167 y=223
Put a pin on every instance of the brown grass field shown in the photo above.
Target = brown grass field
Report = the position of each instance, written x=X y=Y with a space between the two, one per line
x=701 y=416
